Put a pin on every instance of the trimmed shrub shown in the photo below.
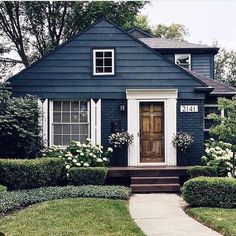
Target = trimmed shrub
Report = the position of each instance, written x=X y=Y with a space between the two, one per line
x=3 y=188
x=196 y=171
x=18 y=199
x=35 y=173
x=210 y=192
x=87 y=175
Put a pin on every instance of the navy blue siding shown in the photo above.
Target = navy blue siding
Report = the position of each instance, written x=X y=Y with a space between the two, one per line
x=67 y=73
x=193 y=123
x=202 y=63
x=111 y=113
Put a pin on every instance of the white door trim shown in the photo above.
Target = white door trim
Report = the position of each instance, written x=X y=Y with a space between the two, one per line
x=169 y=97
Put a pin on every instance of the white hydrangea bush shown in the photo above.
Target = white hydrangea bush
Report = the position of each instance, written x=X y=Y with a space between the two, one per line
x=86 y=155
x=120 y=139
x=219 y=154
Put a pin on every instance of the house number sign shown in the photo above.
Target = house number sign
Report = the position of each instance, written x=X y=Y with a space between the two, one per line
x=189 y=108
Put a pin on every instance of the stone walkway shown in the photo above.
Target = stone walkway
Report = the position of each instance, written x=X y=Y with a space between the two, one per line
x=162 y=215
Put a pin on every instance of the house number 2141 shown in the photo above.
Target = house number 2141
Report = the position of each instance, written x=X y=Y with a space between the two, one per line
x=188 y=108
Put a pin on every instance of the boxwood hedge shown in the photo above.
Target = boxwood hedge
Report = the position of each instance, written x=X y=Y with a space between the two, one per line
x=18 y=199
x=87 y=175
x=3 y=188
x=210 y=192
x=197 y=171
x=34 y=173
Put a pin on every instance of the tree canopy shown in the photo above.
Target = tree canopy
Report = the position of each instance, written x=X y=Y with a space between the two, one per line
x=225 y=66
x=173 y=31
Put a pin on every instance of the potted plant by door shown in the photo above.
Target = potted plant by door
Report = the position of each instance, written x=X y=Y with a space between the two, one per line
x=120 y=142
x=183 y=141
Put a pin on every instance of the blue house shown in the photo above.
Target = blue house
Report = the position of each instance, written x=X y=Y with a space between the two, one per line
x=105 y=80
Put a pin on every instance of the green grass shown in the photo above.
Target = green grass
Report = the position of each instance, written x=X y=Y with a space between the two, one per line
x=222 y=220
x=71 y=217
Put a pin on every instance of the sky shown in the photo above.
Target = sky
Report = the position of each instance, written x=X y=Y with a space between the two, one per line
x=207 y=20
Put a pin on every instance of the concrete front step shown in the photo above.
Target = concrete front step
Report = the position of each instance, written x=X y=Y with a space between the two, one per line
x=154 y=180
x=154 y=188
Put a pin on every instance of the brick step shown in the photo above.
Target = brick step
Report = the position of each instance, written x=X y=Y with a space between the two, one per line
x=155 y=188
x=154 y=180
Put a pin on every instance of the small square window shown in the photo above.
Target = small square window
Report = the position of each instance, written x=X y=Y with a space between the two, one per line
x=103 y=62
x=183 y=60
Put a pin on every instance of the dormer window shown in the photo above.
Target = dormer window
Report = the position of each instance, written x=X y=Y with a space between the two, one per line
x=103 y=62
x=183 y=60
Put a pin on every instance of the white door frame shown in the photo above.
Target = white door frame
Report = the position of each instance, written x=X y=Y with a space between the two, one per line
x=169 y=97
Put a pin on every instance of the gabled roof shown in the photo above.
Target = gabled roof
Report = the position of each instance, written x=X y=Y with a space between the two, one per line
x=219 y=87
x=167 y=44
x=170 y=44
x=125 y=32
x=139 y=33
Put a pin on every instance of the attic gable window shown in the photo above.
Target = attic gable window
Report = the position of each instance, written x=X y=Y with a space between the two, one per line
x=183 y=60
x=103 y=62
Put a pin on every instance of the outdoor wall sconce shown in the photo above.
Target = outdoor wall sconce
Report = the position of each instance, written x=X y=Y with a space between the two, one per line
x=122 y=107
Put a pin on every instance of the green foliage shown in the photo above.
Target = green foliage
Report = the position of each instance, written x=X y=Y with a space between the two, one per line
x=24 y=174
x=53 y=151
x=18 y=199
x=218 y=154
x=19 y=126
x=3 y=188
x=210 y=192
x=172 y=31
x=86 y=154
x=225 y=130
x=225 y=66
x=87 y=175
x=197 y=171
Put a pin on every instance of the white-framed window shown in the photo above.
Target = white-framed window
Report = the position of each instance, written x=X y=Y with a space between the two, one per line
x=103 y=62
x=209 y=109
x=70 y=122
x=183 y=60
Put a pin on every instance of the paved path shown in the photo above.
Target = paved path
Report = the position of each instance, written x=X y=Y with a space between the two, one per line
x=162 y=215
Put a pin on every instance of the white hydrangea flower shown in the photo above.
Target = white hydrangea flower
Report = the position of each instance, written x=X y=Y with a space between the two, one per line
x=78 y=164
x=104 y=159
x=67 y=167
x=84 y=145
x=99 y=160
x=74 y=160
x=88 y=139
x=81 y=154
x=110 y=149
x=86 y=164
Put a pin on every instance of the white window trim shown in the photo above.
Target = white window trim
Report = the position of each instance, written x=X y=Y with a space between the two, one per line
x=113 y=61
x=169 y=97
x=187 y=54
x=205 y=118
x=51 y=139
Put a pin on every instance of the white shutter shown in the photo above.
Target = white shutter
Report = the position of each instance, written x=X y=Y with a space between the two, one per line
x=96 y=122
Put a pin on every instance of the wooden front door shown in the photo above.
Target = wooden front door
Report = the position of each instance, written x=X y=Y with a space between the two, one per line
x=152 y=132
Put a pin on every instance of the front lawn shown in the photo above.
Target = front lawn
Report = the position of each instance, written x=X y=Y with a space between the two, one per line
x=71 y=217
x=222 y=220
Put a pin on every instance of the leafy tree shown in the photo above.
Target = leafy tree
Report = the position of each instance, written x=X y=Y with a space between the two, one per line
x=225 y=129
x=225 y=66
x=19 y=129
x=173 y=31
x=32 y=28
